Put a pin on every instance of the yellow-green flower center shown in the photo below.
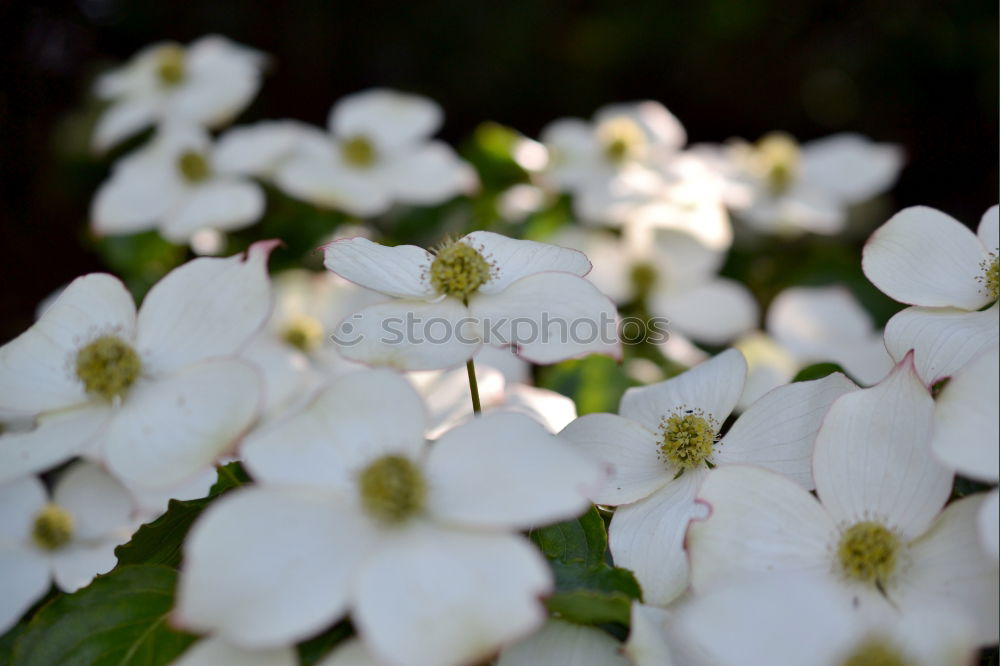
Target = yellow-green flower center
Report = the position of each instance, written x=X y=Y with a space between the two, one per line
x=393 y=489
x=193 y=166
x=108 y=366
x=53 y=527
x=458 y=269
x=358 y=151
x=620 y=139
x=990 y=278
x=170 y=68
x=875 y=652
x=304 y=333
x=778 y=156
x=687 y=439
x=868 y=553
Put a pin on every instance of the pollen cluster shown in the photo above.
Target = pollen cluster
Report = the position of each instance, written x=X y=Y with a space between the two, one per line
x=874 y=652
x=108 y=366
x=304 y=333
x=358 y=151
x=392 y=489
x=193 y=166
x=868 y=553
x=53 y=528
x=170 y=67
x=778 y=154
x=687 y=439
x=458 y=270
x=620 y=139
x=990 y=278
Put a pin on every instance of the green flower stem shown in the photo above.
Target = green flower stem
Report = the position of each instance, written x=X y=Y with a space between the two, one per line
x=474 y=387
x=228 y=473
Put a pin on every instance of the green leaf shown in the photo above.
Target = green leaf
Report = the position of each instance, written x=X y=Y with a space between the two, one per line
x=596 y=383
x=118 y=620
x=140 y=259
x=817 y=371
x=313 y=650
x=582 y=540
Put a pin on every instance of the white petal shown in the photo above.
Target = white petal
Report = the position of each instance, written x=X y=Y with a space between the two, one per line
x=663 y=129
x=944 y=339
x=430 y=174
x=948 y=563
x=549 y=317
x=75 y=566
x=360 y=417
x=506 y=471
x=220 y=204
x=447 y=395
x=713 y=387
x=574 y=152
x=966 y=419
x=287 y=372
x=57 y=438
x=648 y=537
x=399 y=271
x=814 y=323
x=24 y=581
x=265 y=567
x=873 y=458
x=989 y=229
x=778 y=431
x=647 y=643
x=20 y=500
x=560 y=642
x=172 y=429
x=770 y=522
x=217 y=652
x=323 y=182
x=420 y=597
x=553 y=410
x=207 y=307
x=388 y=118
x=923 y=257
x=142 y=189
x=628 y=452
x=850 y=166
x=351 y=652
x=769 y=366
x=714 y=312
x=988 y=521
x=258 y=149
x=122 y=120
x=410 y=335
x=98 y=502
x=514 y=259
x=220 y=80
x=38 y=368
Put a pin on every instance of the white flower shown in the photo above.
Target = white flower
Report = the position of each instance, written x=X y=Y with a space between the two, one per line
x=927 y=259
x=769 y=365
x=661 y=447
x=877 y=530
x=778 y=186
x=217 y=652
x=260 y=149
x=158 y=395
x=175 y=184
x=480 y=289
x=561 y=642
x=378 y=152
x=355 y=512
x=827 y=324
x=68 y=539
x=206 y=83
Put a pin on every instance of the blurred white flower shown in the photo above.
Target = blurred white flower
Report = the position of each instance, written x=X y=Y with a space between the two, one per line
x=378 y=152
x=769 y=365
x=666 y=439
x=933 y=262
x=562 y=642
x=68 y=538
x=260 y=149
x=354 y=511
x=779 y=186
x=877 y=530
x=158 y=395
x=175 y=184
x=214 y=651
x=206 y=83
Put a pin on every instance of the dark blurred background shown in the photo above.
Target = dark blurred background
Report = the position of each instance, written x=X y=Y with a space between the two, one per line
x=922 y=73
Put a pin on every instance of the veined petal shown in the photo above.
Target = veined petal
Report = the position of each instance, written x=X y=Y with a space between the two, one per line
x=713 y=386
x=561 y=642
x=873 y=458
x=172 y=429
x=771 y=522
x=38 y=368
x=648 y=537
x=255 y=596
x=400 y=271
x=989 y=229
x=923 y=257
x=388 y=118
x=20 y=500
x=779 y=430
x=207 y=307
x=420 y=596
x=58 y=437
x=966 y=422
x=714 y=312
x=628 y=452
x=430 y=174
x=98 y=502
x=514 y=259
x=549 y=317
x=214 y=651
x=222 y=204
x=25 y=580
x=943 y=339
x=506 y=471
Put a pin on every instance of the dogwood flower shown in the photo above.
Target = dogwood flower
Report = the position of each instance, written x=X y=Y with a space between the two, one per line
x=933 y=262
x=378 y=152
x=668 y=437
x=779 y=186
x=158 y=395
x=175 y=184
x=877 y=530
x=206 y=83
x=68 y=538
x=561 y=642
x=480 y=289
x=355 y=512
